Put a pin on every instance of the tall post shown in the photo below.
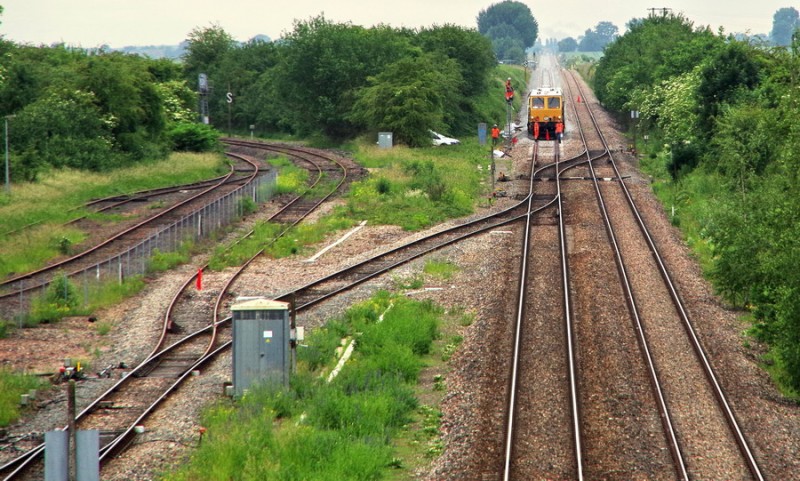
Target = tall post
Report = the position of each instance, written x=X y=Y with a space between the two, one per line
x=508 y=123
x=8 y=173
x=72 y=443
x=229 y=99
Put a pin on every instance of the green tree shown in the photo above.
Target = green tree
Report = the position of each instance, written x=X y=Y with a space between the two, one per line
x=568 y=44
x=408 y=98
x=474 y=59
x=471 y=50
x=205 y=50
x=124 y=90
x=511 y=27
x=653 y=50
x=242 y=73
x=64 y=128
x=785 y=23
x=596 y=40
x=323 y=65
x=728 y=74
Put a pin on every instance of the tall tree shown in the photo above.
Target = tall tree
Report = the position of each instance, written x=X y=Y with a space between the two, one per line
x=653 y=50
x=511 y=27
x=596 y=40
x=323 y=64
x=568 y=44
x=206 y=48
x=728 y=73
x=409 y=97
x=784 y=24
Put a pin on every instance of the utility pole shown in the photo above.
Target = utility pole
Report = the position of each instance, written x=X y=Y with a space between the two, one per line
x=229 y=99
x=8 y=172
x=72 y=442
x=664 y=11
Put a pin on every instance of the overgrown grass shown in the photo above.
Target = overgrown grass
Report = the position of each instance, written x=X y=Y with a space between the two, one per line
x=338 y=430
x=291 y=179
x=12 y=386
x=60 y=196
x=416 y=188
x=441 y=269
x=74 y=300
x=687 y=202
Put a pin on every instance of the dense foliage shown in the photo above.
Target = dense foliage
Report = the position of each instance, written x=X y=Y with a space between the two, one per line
x=723 y=115
x=341 y=80
x=596 y=40
x=511 y=27
x=99 y=110
x=92 y=110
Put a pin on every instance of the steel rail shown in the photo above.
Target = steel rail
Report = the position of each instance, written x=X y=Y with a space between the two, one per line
x=730 y=418
x=110 y=240
x=630 y=300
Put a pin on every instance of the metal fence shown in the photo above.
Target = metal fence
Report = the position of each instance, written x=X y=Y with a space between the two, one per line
x=136 y=260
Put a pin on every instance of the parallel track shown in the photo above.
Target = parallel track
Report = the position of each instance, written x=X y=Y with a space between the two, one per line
x=676 y=441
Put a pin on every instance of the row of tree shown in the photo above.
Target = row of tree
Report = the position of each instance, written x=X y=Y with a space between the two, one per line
x=102 y=109
x=91 y=110
x=343 y=80
x=726 y=109
x=785 y=22
x=98 y=109
x=593 y=40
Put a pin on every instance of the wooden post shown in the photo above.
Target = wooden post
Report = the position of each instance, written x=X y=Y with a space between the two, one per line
x=72 y=443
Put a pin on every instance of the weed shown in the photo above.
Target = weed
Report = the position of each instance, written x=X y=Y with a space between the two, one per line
x=12 y=385
x=103 y=328
x=442 y=269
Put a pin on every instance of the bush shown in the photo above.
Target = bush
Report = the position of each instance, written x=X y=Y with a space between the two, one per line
x=61 y=293
x=13 y=385
x=193 y=137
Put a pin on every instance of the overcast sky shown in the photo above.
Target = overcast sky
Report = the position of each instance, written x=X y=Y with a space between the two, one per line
x=119 y=23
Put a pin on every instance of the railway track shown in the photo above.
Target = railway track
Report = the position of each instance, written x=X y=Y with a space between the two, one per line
x=699 y=427
x=616 y=409
x=539 y=203
x=317 y=291
x=17 y=291
x=191 y=334
x=113 y=203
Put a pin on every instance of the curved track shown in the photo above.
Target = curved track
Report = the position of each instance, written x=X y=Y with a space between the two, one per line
x=40 y=278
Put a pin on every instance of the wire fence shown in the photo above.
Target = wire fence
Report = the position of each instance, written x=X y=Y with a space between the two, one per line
x=86 y=284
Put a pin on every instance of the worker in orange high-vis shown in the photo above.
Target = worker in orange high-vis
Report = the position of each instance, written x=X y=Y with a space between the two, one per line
x=559 y=131
x=495 y=135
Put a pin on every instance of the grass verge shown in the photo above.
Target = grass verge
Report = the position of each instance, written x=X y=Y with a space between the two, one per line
x=367 y=423
x=12 y=386
x=60 y=196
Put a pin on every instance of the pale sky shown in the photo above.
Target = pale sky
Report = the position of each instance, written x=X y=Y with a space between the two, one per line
x=119 y=23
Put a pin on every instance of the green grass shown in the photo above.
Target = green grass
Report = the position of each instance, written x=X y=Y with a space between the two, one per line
x=60 y=196
x=12 y=386
x=441 y=269
x=338 y=430
x=687 y=202
x=80 y=300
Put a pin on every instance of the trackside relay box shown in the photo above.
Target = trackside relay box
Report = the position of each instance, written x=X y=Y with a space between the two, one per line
x=261 y=335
